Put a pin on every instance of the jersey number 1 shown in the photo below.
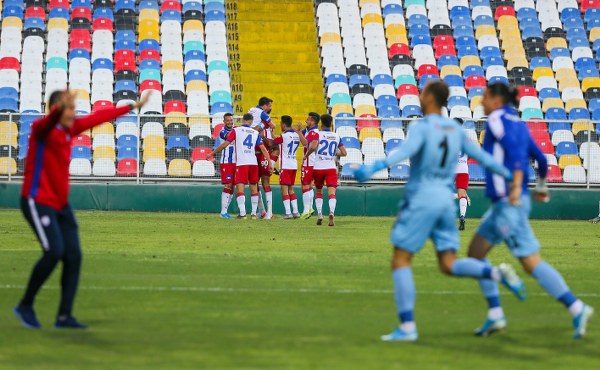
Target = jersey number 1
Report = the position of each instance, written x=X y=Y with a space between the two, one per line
x=444 y=146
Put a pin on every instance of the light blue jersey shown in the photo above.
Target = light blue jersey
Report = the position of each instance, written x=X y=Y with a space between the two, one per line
x=433 y=145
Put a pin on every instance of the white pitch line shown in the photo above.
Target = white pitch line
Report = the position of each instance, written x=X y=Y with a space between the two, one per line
x=274 y=290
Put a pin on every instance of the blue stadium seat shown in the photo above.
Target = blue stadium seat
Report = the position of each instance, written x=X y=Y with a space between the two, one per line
x=81 y=3
x=383 y=79
x=566 y=147
x=171 y=15
x=459 y=11
x=124 y=4
x=579 y=113
x=359 y=79
x=498 y=79
x=532 y=174
x=347 y=171
x=103 y=13
x=350 y=142
x=462 y=51
x=492 y=61
x=426 y=78
x=392 y=144
x=126 y=85
x=576 y=33
x=345 y=119
x=556 y=114
x=102 y=63
x=125 y=35
x=476 y=172
x=559 y=52
x=420 y=40
x=192 y=5
x=400 y=172
x=462 y=41
x=483 y=20
x=16 y=3
x=548 y=92
x=177 y=141
x=475 y=3
x=490 y=51
x=586 y=73
x=215 y=16
x=577 y=42
x=385 y=100
x=34 y=23
x=12 y=11
x=149 y=64
x=469 y=125
x=540 y=62
x=464 y=30
x=476 y=91
x=127 y=141
x=194 y=55
x=79 y=53
x=454 y=81
x=81 y=152
x=417 y=19
x=419 y=30
x=9 y=105
x=574 y=22
x=9 y=93
x=148 y=4
x=447 y=60
x=569 y=13
x=127 y=152
x=221 y=108
x=389 y=111
x=334 y=77
x=23 y=150
x=392 y=9
x=533 y=31
x=455 y=101
x=412 y=111
x=591 y=14
x=593 y=105
x=526 y=13
x=195 y=75
x=58 y=13
x=584 y=63
x=473 y=71
x=555 y=126
x=149 y=44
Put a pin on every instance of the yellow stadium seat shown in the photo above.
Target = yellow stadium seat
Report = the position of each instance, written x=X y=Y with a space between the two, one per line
x=542 y=72
x=552 y=103
x=469 y=60
x=507 y=21
x=363 y=2
x=148 y=29
x=565 y=73
x=9 y=128
x=6 y=139
x=172 y=65
x=394 y=30
x=154 y=152
x=512 y=43
x=103 y=129
x=58 y=23
x=556 y=42
x=8 y=166
x=514 y=53
x=180 y=168
x=485 y=30
x=397 y=39
x=369 y=132
x=575 y=103
x=104 y=152
x=594 y=34
x=590 y=82
x=568 y=160
x=12 y=22
x=476 y=102
x=81 y=94
x=509 y=32
x=199 y=119
x=448 y=70
x=481 y=137
x=149 y=14
x=517 y=62
x=372 y=18
x=153 y=141
x=582 y=125
x=341 y=108
x=365 y=109
x=193 y=24
x=175 y=117
x=196 y=85
x=331 y=37
x=568 y=82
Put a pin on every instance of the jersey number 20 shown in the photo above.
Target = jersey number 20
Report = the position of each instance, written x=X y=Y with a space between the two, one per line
x=327 y=148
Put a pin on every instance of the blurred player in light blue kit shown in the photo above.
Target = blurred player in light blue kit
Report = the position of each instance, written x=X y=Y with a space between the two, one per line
x=508 y=140
x=428 y=208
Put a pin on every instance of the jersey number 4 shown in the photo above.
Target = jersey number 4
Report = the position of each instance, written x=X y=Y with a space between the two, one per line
x=248 y=142
x=327 y=148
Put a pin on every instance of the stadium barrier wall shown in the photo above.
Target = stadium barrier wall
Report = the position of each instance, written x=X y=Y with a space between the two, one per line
x=352 y=200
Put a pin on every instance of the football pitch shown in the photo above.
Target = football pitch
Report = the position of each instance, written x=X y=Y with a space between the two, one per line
x=191 y=291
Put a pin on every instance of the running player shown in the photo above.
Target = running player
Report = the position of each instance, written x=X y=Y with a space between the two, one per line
x=288 y=142
x=327 y=146
x=227 y=167
x=462 y=184
x=306 y=176
x=45 y=202
x=261 y=121
x=427 y=210
x=509 y=140
x=246 y=141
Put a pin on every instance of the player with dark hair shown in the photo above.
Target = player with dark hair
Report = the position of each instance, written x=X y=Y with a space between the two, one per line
x=509 y=141
x=45 y=202
x=227 y=167
x=327 y=146
x=311 y=132
x=427 y=211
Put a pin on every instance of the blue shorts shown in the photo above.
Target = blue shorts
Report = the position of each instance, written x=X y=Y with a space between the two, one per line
x=504 y=222
x=426 y=219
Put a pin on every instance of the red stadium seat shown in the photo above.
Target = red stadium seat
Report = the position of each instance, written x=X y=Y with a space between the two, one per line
x=427 y=69
x=407 y=89
x=545 y=145
x=589 y=4
x=170 y=5
x=102 y=105
x=82 y=140
x=399 y=49
x=443 y=40
x=537 y=125
x=10 y=63
x=102 y=24
x=540 y=135
x=175 y=106
x=200 y=153
x=150 y=85
x=58 y=4
x=527 y=91
x=367 y=123
x=554 y=174
x=217 y=130
x=125 y=60
x=35 y=12
x=444 y=50
x=127 y=167
x=80 y=39
x=504 y=10
x=82 y=12
x=150 y=54
x=475 y=81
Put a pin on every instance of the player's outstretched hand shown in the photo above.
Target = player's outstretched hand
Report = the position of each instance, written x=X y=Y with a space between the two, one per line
x=143 y=100
x=363 y=173
x=541 y=192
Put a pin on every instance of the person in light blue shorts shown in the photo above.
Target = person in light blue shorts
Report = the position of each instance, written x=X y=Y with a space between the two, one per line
x=509 y=141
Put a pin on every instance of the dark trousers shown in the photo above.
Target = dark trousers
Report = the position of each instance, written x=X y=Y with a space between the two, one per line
x=58 y=234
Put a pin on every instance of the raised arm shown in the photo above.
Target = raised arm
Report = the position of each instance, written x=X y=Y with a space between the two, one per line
x=42 y=127
x=473 y=151
x=298 y=130
x=106 y=115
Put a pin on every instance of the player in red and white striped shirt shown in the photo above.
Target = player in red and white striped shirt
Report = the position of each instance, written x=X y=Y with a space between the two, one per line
x=288 y=142
x=327 y=147
x=308 y=193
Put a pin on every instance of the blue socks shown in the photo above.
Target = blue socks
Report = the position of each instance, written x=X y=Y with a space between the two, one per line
x=471 y=267
x=404 y=293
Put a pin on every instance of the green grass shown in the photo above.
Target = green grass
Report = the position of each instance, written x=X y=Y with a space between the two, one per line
x=190 y=291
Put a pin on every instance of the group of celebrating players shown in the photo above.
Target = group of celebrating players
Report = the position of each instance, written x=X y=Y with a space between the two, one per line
x=250 y=153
